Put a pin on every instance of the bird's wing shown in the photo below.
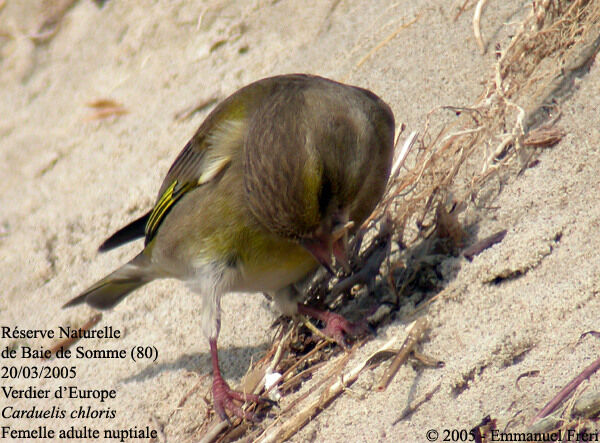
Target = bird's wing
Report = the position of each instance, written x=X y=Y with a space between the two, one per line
x=204 y=158
x=132 y=231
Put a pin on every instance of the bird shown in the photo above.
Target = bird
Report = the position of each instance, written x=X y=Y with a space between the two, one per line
x=268 y=188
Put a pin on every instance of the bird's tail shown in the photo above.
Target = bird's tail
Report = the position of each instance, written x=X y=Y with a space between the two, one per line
x=116 y=286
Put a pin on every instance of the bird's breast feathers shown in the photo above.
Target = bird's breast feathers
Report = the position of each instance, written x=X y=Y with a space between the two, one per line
x=274 y=270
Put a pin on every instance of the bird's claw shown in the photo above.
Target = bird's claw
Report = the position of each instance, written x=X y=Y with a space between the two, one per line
x=225 y=398
x=336 y=326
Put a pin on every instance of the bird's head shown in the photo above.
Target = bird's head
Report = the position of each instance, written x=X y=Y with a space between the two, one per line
x=316 y=164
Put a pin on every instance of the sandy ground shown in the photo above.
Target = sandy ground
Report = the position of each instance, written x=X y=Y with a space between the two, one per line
x=69 y=181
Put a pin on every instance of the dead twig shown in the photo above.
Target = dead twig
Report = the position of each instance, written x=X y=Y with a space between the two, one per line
x=461 y=9
x=386 y=40
x=214 y=431
x=105 y=108
x=416 y=333
x=304 y=358
x=483 y=244
x=406 y=148
x=341 y=381
x=476 y=25
x=427 y=361
x=543 y=137
x=366 y=273
x=567 y=390
x=533 y=373
x=296 y=379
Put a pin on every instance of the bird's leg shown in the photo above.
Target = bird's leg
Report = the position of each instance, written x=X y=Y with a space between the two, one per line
x=224 y=396
x=335 y=324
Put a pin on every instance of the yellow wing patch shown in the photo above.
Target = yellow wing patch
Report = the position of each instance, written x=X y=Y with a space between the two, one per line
x=166 y=201
x=221 y=146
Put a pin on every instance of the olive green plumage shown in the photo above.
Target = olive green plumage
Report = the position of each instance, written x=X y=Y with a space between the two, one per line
x=253 y=200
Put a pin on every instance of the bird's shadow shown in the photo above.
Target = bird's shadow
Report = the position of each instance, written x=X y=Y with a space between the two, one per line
x=234 y=362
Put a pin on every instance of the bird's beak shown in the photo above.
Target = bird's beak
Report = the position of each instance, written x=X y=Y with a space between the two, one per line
x=321 y=248
x=340 y=245
x=325 y=246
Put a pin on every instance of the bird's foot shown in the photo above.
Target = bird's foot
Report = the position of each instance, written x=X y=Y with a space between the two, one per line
x=225 y=398
x=336 y=326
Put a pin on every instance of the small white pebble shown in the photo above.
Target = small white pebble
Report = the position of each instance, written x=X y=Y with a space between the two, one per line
x=271 y=379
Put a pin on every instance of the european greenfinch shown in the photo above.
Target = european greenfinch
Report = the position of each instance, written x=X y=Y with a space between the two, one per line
x=268 y=188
